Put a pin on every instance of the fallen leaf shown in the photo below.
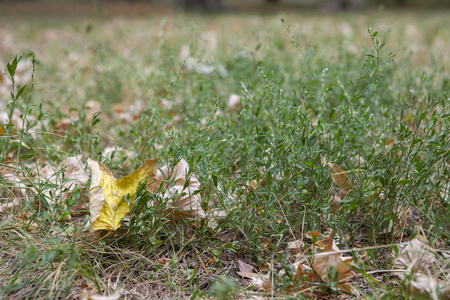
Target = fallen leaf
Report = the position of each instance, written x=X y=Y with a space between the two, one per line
x=306 y=272
x=252 y=184
x=335 y=203
x=107 y=194
x=321 y=243
x=86 y=295
x=245 y=268
x=424 y=284
x=183 y=199
x=215 y=216
x=296 y=246
x=16 y=120
x=234 y=103
x=323 y=261
x=12 y=175
x=339 y=177
x=403 y=212
x=127 y=113
x=313 y=235
x=75 y=174
x=261 y=282
x=337 y=198
x=416 y=256
x=389 y=143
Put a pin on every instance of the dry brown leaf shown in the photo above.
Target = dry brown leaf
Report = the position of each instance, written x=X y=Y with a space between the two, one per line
x=337 y=198
x=424 y=284
x=312 y=234
x=86 y=295
x=339 y=177
x=91 y=107
x=403 y=213
x=75 y=174
x=321 y=243
x=261 y=282
x=335 y=203
x=304 y=271
x=296 y=246
x=389 y=143
x=234 y=103
x=323 y=261
x=215 y=216
x=416 y=256
x=188 y=202
x=245 y=268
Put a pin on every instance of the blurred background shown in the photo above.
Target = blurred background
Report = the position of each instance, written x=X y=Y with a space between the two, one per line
x=140 y=7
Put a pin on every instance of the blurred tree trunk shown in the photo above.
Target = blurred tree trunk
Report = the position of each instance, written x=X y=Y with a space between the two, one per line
x=201 y=4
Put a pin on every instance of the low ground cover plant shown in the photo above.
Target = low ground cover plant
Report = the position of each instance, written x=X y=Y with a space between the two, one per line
x=281 y=162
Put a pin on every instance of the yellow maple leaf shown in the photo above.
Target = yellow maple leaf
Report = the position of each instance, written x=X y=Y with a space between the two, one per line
x=107 y=194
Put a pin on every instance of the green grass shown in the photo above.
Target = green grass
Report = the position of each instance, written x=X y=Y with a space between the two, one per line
x=382 y=114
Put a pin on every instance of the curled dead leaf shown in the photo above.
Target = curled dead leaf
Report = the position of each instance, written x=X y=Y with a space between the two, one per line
x=245 y=268
x=74 y=174
x=339 y=177
x=296 y=246
x=180 y=189
x=320 y=240
x=416 y=256
x=306 y=273
x=261 y=282
x=313 y=235
x=332 y=258
x=425 y=284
